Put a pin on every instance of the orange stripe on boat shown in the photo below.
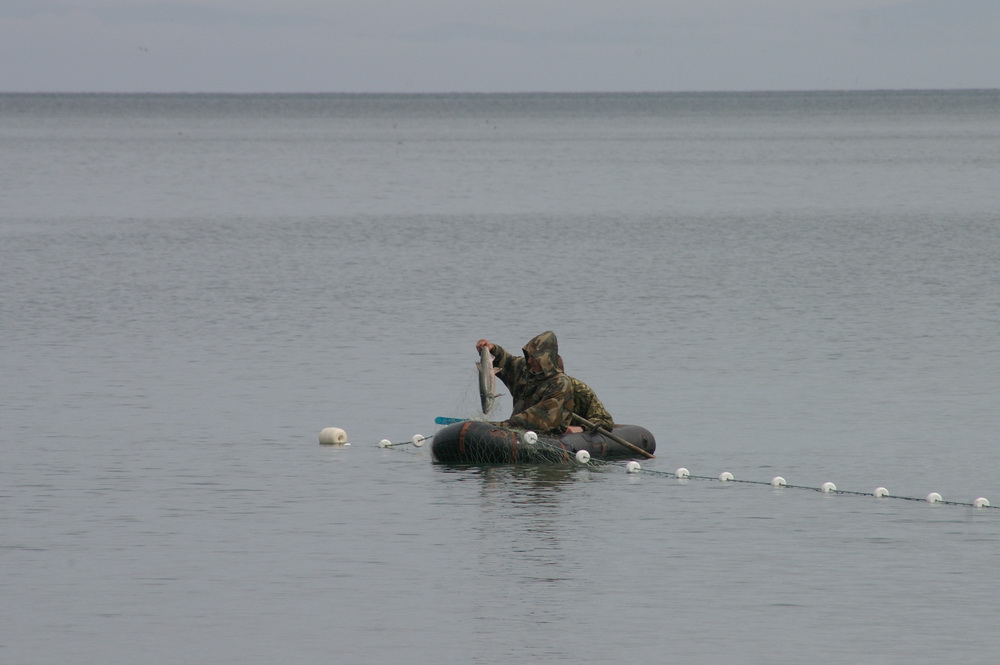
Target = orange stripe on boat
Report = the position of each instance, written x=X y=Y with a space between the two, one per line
x=461 y=436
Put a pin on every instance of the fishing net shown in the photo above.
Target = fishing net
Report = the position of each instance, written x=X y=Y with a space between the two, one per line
x=476 y=442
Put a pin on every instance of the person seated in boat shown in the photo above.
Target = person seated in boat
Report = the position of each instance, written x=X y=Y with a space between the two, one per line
x=542 y=394
x=587 y=405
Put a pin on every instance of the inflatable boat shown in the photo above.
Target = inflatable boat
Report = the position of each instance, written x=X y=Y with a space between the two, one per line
x=478 y=442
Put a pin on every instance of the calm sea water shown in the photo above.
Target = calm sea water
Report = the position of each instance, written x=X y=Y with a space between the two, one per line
x=803 y=285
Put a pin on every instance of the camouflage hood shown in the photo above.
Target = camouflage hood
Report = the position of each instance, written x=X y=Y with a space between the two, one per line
x=545 y=348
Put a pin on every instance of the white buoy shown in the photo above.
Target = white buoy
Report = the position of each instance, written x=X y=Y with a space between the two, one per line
x=582 y=456
x=682 y=473
x=384 y=443
x=418 y=440
x=981 y=502
x=529 y=437
x=778 y=481
x=725 y=476
x=828 y=487
x=632 y=467
x=333 y=436
x=880 y=492
x=933 y=497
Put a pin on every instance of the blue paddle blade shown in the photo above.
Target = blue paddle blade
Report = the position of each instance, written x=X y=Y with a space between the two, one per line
x=441 y=420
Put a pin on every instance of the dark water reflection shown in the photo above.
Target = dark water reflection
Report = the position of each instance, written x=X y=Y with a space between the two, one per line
x=521 y=512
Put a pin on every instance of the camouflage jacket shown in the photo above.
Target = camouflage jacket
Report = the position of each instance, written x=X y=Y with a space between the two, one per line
x=542 y=402
x=586 y=404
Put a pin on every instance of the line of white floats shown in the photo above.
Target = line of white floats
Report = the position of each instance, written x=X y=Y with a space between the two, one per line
x=337 y=436
x=778 y=481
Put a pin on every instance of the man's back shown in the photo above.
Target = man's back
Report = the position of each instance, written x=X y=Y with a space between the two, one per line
x=587 y=405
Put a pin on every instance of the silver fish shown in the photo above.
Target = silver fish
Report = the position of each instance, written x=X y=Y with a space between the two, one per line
x=487 y=380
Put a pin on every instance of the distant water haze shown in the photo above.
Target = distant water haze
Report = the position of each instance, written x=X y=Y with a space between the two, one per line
x=514 y=46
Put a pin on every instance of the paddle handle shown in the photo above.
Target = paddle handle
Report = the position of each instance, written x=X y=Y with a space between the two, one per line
x=613 y=437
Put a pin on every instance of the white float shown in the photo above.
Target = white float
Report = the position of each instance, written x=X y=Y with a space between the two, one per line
x=418 y=440
x=778 y=481
x=333 y=436
x=981 y=502
x=828 y=487
x=682 y=473
x=582 y=456
x=933 y=497
x=725 y=476
x=880 y=492
x=632 y=467
x=529 y=437
x=385 y=443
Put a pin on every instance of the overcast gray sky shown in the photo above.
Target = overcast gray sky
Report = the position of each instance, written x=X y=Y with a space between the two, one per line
x=496 y=46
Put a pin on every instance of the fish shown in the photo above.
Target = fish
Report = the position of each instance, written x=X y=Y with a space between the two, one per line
x=487 y=380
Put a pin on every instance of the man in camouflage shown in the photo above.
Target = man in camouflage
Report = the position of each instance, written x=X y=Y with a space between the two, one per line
x=586 y=404
x=542 y=394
